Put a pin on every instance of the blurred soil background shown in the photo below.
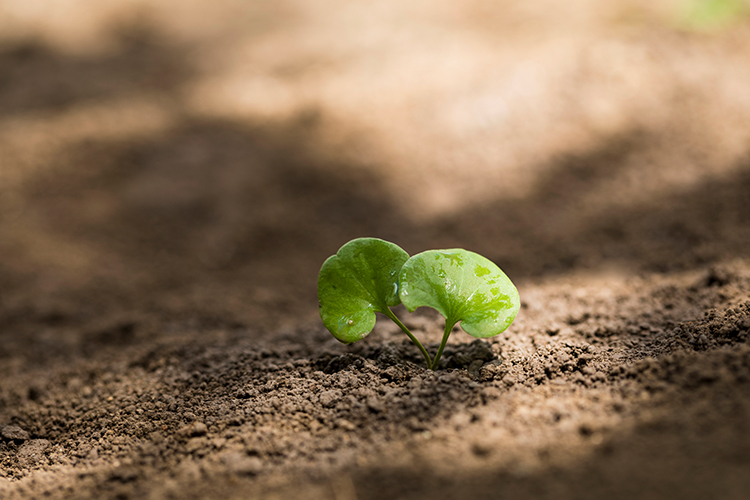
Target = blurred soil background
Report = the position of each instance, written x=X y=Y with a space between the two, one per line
x=174 y=173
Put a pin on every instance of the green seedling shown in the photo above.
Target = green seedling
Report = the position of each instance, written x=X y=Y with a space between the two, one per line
x=369 y=275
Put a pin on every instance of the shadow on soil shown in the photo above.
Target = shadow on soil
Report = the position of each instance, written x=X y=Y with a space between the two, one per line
x=217 y=208
x=36 y=78
x=227 y=224
x=685 y=453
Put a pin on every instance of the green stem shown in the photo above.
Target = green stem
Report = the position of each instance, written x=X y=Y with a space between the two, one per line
x=414 y=339
x=447 y=333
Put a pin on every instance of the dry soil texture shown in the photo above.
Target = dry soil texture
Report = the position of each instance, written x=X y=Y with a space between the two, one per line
x=173 y=174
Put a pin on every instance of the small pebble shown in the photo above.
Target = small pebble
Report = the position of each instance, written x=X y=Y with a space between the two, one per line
x=13 y=432
x=194 y=429
x=241 y=464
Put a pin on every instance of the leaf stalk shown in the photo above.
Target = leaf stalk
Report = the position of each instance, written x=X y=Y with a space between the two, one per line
x=414 y=339
x=447 y=333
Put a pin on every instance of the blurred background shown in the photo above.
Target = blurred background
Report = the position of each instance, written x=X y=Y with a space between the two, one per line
x=188 y=159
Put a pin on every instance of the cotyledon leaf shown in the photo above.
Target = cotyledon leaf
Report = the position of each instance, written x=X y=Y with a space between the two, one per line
x=463 y=286
x=360 y=280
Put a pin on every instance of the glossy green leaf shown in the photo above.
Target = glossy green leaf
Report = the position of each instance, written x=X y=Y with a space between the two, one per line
x=360 y=280
x=464 y=287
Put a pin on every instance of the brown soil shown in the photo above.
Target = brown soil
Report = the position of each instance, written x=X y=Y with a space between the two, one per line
x=172 y=175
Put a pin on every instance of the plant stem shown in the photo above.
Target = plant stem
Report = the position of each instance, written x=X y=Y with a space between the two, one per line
x=447 y=333
x=414 y=339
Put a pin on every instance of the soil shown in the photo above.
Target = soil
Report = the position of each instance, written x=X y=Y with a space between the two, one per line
x=171 y=180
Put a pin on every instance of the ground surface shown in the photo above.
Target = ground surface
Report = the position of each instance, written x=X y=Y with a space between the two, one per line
x=173 y=174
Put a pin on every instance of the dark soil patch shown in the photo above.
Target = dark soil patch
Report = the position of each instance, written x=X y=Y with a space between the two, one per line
x=159 y=335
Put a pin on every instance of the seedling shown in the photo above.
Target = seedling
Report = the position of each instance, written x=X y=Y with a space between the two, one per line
x=369 y=275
